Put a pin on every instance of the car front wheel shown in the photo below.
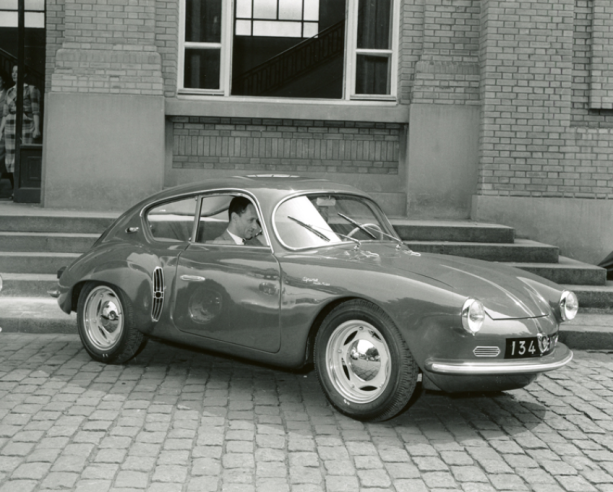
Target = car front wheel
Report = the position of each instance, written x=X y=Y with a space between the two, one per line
x=363 y=364
x=105 y=321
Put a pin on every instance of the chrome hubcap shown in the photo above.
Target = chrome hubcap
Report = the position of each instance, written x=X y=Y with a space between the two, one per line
x=358 y=361
x=103 y=318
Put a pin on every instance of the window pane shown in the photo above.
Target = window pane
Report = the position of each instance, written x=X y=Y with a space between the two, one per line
x=291 y=58
x=265 y=9
x=172 y=221
x=203 y=21
x=35 y=5
x=277 y=29
x=311 y=9
x=374 y=24
x=372 y=75
x=202 y=69
x=243 y=9
x=290 y=9
x=243 y=28
x=8 y=19
x=310 y=29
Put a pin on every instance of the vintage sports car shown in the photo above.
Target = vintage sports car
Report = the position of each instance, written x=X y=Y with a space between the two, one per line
x=328 y=284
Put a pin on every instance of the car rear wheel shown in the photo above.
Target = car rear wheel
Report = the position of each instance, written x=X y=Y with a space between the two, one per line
x=363 y=364
x=105 y=320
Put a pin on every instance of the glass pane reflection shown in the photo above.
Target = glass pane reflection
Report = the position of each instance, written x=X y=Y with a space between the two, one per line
x=372 y=75
x=203 y=21
x=202 y=69
x=374 y=24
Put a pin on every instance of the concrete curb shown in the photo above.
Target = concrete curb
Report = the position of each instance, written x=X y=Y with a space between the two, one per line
x=41 y=315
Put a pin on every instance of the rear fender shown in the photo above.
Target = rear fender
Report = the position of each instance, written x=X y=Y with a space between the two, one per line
x=134 y=280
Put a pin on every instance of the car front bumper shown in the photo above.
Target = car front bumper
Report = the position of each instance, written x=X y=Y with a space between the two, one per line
x=492 y=375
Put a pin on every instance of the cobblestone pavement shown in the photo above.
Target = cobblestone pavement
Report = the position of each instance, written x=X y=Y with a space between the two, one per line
x=181 y=420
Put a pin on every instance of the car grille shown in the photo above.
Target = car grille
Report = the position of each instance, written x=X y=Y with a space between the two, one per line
x=486 y=351
x=158 y=294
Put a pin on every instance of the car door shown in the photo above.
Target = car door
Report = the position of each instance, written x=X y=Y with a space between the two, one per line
x=227 y=292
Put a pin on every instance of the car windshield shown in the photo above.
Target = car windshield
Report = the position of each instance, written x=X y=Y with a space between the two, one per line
x=309 y=221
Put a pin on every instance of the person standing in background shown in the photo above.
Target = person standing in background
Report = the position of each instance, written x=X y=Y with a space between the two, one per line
x=30 y=123
x=4 y=84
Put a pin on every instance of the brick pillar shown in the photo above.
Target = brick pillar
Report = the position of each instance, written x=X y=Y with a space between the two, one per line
x=104 y=132
x=526 y=72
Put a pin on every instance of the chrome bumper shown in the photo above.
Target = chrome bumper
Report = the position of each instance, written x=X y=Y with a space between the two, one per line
x=561 y=356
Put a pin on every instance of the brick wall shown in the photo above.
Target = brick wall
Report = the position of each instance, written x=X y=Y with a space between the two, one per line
x=448 y=69
x=286 y=145
x=601 y=76
x=54 y=36
x=410 y=46
x=167 y=42
x=539 y=136
x=107 y=48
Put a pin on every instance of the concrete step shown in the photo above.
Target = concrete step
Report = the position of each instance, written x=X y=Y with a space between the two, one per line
x=593 y=296
x=27 y=284
x=567 y=271
x=522 y=250
x=37 y=263
x=457 y=231
x=64 y=223
x=47 y=242
x=43 y=315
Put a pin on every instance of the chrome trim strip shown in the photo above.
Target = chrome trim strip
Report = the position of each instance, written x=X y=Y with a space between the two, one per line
x=158 y=294
x=486 y=351
x=192 y=278
x=486 y=368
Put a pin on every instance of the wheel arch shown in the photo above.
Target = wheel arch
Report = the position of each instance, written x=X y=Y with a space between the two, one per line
x=323 y=313
x=138 y=288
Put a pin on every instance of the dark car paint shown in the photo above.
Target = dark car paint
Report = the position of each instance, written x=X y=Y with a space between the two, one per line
x=423 y=294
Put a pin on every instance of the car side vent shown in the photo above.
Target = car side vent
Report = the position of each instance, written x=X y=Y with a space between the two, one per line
x=486 y=351
x=158 y=294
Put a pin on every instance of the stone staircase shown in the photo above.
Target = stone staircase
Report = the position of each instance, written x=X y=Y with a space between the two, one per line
x=493 y=242
x=35 y=243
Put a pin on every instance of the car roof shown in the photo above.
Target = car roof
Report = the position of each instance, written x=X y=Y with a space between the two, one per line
x=259 y=182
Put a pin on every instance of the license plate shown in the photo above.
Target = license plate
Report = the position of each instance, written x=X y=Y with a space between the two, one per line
x=521 y=348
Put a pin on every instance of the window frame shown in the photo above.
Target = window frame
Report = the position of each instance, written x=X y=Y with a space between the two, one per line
x=349 y=63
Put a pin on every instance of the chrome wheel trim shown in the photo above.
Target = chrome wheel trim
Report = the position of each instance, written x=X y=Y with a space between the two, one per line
x=358 y=361
x=103 y=318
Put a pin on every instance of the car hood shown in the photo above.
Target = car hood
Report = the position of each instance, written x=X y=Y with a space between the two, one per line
x=505 y=292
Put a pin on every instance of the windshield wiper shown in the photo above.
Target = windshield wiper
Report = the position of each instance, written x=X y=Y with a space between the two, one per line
x=399 y=242
x=358 y=225
x=310 y=228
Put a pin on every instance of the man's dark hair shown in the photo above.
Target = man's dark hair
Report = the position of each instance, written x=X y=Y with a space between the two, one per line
x=238 y=205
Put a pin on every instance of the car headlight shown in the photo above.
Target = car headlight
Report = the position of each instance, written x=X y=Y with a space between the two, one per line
x=473 y=315
x=569 y=305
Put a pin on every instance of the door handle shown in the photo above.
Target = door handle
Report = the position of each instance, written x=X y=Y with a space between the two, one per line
x=192 y=278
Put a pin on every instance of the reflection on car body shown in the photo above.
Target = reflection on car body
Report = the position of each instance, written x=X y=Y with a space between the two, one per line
x=330 y=284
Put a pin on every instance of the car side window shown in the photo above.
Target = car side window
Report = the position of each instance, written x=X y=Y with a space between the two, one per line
x=172 y=221
x=214 y=220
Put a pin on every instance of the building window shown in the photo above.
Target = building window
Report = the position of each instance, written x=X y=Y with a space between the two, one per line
x=317 y=49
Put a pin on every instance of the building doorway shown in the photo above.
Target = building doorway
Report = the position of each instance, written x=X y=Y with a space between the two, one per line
x=22 y=77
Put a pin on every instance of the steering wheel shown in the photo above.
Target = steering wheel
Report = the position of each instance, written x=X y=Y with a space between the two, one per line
x=367 y=226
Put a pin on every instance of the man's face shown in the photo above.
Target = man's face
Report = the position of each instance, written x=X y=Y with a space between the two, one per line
x=246 y=225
